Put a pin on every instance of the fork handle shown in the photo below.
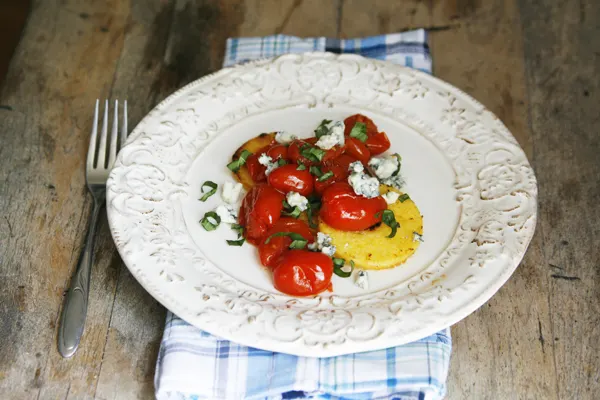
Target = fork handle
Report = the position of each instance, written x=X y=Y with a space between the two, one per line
x=74 y=311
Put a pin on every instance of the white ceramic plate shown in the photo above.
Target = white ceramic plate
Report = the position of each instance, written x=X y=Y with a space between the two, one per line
x=463 y=168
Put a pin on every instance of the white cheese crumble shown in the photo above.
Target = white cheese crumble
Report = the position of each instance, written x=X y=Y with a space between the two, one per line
x=361 y=280
x=335 y=136
x=284 y=137
x=394 y=181
x=363 y=184
x=227 y=213
x=356 y=166
x=417 y=237
x=297 y=200
x=390 y=197
x=384 y=167
x=267 y=161
x=231 y=192
x=323 y=244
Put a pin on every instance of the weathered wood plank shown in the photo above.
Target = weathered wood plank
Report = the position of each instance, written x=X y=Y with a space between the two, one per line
x=562 y=53
x=477 y=46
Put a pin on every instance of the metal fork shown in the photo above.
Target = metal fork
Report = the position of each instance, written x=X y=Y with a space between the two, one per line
x=97 y=168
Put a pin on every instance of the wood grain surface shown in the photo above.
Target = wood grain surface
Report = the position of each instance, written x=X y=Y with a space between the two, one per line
x=535 y=63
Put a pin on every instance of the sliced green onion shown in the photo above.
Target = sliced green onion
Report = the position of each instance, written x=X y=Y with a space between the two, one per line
x=213 y=189
x=338 y=265
x=291 y=235
x=295 y=213
x=207 y=221
x=389 y=219
x=325 y=176
x=316 y=171
x=236 y=242
x=403 y=197
x=322 y=129
x=298 y=244
x=397 y=171
x=236 y=164
x=301 y=166
x=359 y=131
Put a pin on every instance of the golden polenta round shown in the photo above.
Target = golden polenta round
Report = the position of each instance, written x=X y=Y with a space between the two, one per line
x=371 y=248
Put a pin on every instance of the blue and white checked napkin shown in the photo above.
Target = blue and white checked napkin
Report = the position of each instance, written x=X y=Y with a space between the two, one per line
x=194 y=365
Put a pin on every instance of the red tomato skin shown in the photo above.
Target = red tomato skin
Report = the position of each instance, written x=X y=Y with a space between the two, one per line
x=260 y=209
x=345 y=210
x=339 y=174
x=277 y=151
x=358 y=150
x=256 y=169
x=271 y=252
x=353 y=119
x=333 y=153
x=378 y=143
x=344 y=162
x=303 y=273
x=294 y=151
x=288 y=178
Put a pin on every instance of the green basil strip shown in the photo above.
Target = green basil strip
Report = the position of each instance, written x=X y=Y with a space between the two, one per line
x=236 y=242
x=316 y=171
x=281 y=162
x=314 y=204
x=206 y=222
x=359 y=131
x=291 y=235
x=322 y=129
x=298 y=244
x=213 y=189
x=338 y=265
x=236 y=164
x=389 y=219
x=238 y=228
x=403 y=198
x=295 y=213
x=312 y=153
x=301 y=167
x=325 y=176
x=397 y=171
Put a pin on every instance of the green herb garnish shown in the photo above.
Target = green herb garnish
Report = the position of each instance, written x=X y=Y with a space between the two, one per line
x=236 y=242
x=312 y=153
x=314 y=204
x=389 y=219
x=298 y=241
x=397 y=171
x=338 y=265
x=301 y=166
x=210 y=221
x=403 y=198
x=322 y=129
x=316 y=171
x=325 y=176
x=295 y=213
x=281 y=162
x=235 y=165
x=359 y=131
x=298 y=244
x=212 y=190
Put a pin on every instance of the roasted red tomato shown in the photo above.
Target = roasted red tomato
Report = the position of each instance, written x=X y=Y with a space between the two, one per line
x=256 y=169
x=358 y=150
x=278 y=151
x=295 y=149
x=339 y=174
x=303 y=273
x=378 y=143
x=353 y=119
x=260 y=209
x=344 y=162
x=271 y=252
x=288 y=178
x=343 y=209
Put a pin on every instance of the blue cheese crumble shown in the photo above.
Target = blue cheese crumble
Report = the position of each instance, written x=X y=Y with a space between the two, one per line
x=323 y=244
x=231 y=192
x=335 y=136
x=227 y=213
x=361 y=280
x=390 y=197
x=267 y=161
x=363 y=184
x=282 y=137
x=384 y=168
x=297 y=200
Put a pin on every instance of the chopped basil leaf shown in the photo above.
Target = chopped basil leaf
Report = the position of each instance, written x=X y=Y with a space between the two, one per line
x=235 y=165
x=314 y=204
x=213 y=189
x=312 y=153
x=210 y=221
x=236 y=242
x=316 y=171
x=298 y=244
x=292 y=235
x=238 y=228
x=301 y=167
x=389 y=219
x=295 y=213
x=403 y=198
x=397 y=171
x=325 y=176
x=322 y=129
x=338 y=265
x=281 y=162
x=359 y=131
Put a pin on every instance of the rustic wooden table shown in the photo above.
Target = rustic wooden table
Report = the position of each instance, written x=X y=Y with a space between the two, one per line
x=536 y=64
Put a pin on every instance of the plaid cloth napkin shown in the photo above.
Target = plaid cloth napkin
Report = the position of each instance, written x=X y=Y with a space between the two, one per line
x=193 y=364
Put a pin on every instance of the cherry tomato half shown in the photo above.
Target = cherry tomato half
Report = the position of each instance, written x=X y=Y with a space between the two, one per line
x=256 y=169
x=343 y=209
x=353 y=119
x=295 y=148
x=378 y=143
x=358 y=150
x=260 y=209
x=303 y=273
x=288 y=178
x=271 y=252
x=278 y=151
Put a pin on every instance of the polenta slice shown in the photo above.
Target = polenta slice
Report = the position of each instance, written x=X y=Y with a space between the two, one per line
x=253 y=145
x=371 y=248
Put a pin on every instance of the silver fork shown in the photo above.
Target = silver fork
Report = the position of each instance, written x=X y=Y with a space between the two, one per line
x=97 y=168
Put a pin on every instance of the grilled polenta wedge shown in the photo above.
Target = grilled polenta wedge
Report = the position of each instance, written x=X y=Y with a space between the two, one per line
x=372 y=249
x=253 y=145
